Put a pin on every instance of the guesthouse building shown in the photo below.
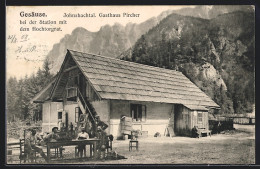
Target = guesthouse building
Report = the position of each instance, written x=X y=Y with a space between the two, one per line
x=155 y=98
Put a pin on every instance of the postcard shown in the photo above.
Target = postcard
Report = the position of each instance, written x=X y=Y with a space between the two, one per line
x=130 y=84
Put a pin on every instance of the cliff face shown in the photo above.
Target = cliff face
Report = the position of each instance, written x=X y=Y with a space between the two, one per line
x=216 y=54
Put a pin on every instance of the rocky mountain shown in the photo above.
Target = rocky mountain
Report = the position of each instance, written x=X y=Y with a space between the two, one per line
x=113 y=40
x=108 y=41
x=216 y=54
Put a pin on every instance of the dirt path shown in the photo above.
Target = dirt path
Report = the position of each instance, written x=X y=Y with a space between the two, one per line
x=231 y=147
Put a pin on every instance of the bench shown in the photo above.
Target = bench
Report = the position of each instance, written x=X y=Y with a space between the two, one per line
x=11 y=147
x=202 y=131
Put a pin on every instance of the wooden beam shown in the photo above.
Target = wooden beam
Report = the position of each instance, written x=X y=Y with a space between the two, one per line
x=71 y=68
x=38 y=101
x=56 y=100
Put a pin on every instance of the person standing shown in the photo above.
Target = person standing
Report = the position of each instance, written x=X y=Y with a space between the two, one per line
x=82 y=135
x=102 y=135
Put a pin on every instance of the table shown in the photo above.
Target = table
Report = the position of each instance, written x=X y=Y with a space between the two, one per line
x=91 y=141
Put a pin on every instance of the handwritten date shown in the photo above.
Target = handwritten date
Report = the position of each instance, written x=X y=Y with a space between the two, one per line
x=15 y=39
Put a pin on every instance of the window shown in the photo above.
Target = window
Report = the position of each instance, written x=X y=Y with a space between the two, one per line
x=72 y=86
x=60 y=115
x=138 y=112
x=71 y=92
x=199 y=117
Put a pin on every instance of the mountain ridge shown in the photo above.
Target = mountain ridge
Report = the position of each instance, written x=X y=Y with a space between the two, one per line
x=114 y=40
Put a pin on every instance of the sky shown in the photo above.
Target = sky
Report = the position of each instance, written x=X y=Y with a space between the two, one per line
x=26 y=49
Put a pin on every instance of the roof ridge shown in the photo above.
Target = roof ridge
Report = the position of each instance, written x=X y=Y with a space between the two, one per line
x=128 y=61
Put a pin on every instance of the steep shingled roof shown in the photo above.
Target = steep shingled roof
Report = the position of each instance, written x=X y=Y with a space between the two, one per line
x=123 y=80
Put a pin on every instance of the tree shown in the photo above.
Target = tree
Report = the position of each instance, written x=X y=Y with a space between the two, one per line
x=11 y=98
x=46 y=72
x=140 y=50
x=19 y=93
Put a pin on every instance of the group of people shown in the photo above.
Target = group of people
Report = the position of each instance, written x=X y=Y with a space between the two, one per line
x=33 y=140
x=97 y=131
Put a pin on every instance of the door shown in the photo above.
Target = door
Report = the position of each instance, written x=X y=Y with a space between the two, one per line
x=171 y=123
x=177 y=117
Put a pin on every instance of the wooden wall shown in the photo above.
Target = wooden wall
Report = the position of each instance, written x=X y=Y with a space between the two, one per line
x=194 y=119
x=186 y=119
x=182 y=120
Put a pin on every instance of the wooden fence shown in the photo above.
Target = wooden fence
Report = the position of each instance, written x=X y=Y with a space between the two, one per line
x=244 y=120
